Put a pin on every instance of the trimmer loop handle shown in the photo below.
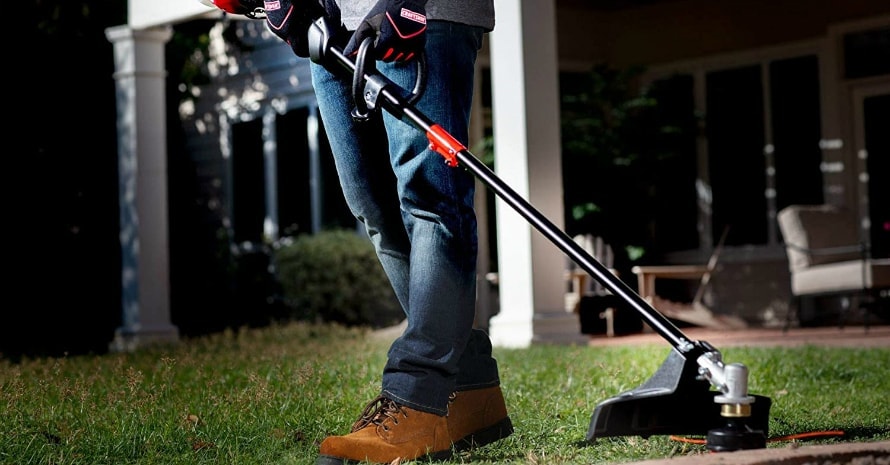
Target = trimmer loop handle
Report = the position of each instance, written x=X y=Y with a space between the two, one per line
x=366 y=84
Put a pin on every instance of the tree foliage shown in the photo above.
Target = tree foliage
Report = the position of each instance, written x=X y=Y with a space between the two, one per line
x=618 y=143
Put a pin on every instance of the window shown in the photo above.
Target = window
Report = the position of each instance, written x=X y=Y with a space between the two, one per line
x=248 y=186
x=293 y=174
x=876 y=111
x=867 y=53
x=676 y=209
x=737 y=172
x=309 y=195
x=794 y=106
x=629 y=159
x=763 y=127
x=334 y=211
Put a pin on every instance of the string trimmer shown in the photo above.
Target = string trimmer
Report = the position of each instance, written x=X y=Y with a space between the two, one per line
x=692 y=393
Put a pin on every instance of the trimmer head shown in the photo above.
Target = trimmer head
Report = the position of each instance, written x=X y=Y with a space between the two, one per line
x=677 y=401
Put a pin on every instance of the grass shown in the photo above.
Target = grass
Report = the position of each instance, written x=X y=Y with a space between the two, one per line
x=269 y=396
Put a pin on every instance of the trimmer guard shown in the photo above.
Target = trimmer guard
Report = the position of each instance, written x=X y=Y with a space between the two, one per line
x=674 y=401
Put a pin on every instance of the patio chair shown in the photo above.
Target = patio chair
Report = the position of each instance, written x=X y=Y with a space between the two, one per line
x=826 y=257
x=695 y=312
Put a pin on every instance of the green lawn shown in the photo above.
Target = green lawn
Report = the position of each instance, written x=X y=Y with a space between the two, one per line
x=270 y=396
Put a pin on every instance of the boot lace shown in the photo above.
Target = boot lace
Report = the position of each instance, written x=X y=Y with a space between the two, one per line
x=451 y=398
x=377 y=412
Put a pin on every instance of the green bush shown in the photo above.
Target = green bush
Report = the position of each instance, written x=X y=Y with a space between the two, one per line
x=335 y=276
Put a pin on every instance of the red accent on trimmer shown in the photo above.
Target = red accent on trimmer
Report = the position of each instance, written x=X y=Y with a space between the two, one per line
x=444 y=143
x=231 y=6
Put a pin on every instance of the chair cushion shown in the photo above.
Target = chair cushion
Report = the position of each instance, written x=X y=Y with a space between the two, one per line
x=840 y=277
x=817 y=227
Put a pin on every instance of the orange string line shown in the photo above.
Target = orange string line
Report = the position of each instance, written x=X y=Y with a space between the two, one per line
x=811 y=434
x=790 y=437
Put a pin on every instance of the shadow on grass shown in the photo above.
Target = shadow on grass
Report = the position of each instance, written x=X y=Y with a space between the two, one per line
x=862 y=433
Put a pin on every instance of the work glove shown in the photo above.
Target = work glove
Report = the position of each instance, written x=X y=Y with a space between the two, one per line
x=288 y=19
x=398 y=28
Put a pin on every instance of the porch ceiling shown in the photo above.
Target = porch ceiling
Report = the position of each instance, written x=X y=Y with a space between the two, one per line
x=607 y=5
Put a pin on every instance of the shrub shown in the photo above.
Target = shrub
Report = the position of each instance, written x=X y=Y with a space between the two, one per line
x=335 y=276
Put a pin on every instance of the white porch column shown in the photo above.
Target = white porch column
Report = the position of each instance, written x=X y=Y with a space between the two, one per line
x=142 y=165
x=528 y=158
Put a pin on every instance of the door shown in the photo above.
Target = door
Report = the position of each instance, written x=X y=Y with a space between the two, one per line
x=871 y=119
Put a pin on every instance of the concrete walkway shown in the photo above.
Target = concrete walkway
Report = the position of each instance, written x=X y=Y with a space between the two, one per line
x=859 y=453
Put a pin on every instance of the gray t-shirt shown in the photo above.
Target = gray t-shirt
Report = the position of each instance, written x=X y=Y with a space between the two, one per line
x=472 y=12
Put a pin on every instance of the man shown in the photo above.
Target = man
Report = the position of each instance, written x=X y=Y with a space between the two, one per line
x=440 y=386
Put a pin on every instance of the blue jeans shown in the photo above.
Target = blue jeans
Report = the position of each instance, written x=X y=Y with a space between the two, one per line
x=418 y=213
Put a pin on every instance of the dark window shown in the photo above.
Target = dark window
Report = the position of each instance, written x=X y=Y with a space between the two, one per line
x=629 y=159
x=867 y=53
x=796 y=124
x=735 y=133
x=876 y=112
x=676 y=210
x=248 y=191
x=304 y=196
x=335 y=213
x=293 y=176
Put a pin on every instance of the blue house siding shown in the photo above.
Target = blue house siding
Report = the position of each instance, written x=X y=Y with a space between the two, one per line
x=253 y=167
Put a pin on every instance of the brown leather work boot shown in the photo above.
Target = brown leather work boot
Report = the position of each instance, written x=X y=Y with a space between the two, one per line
x=388 y=431
x=478 y=417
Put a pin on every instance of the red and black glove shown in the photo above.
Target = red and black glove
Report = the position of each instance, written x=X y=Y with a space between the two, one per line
x=398 y=28
x=288 y=19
